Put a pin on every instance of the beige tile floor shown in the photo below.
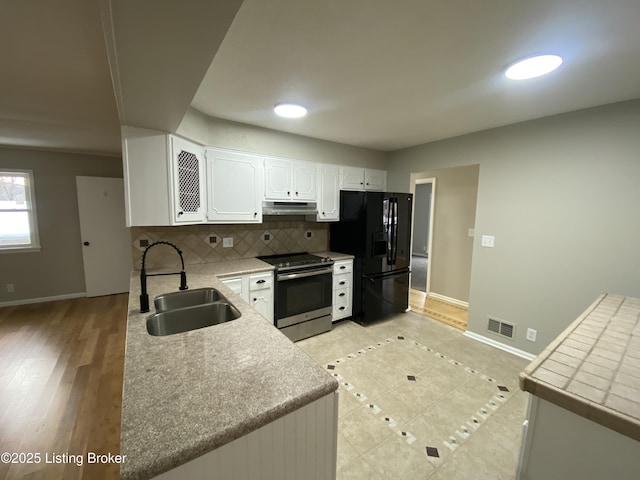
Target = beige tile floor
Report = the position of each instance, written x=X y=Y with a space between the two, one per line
x=419 y=400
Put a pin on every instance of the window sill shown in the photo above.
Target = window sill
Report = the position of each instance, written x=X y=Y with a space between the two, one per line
x=20 y=249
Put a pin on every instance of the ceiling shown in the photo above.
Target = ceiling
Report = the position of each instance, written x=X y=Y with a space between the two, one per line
x=373 y=73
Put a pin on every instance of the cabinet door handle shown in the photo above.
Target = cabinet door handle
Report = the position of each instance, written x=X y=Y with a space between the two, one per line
x=296 y=194
x=342 y=294
x=342 y=267
x=180 y=213
x=261 y=281
x=342 y=283
x=341 y=308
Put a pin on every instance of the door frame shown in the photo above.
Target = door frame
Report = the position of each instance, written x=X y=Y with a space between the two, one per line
x=422 y=181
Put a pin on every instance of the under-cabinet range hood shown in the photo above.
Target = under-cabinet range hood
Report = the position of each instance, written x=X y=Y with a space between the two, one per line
x=289 y=208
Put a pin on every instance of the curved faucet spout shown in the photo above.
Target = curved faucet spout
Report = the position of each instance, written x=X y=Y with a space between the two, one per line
x=144 y=297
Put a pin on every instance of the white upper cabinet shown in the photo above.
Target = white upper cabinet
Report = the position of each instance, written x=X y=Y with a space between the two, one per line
x=164 y=179
x=189 y=192
x=329 y=193
x=375 y=180
x=289 y=180
x=354 y=178
x=234 y=187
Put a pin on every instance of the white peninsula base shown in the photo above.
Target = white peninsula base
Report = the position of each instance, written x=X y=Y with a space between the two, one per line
x=560 y=445
x=301 y=445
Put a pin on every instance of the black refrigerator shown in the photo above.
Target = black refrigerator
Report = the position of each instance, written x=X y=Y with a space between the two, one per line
x=375 y=227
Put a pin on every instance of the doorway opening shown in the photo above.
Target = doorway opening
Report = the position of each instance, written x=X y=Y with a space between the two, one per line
x=442 y=243
x=423 y=205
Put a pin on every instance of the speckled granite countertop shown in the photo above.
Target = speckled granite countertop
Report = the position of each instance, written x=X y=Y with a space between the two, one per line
x=593 y=367
x=189 y=393
x=335 y=256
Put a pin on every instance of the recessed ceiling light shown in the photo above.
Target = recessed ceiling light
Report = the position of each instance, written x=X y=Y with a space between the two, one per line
x=532 y=67
x=290 y=110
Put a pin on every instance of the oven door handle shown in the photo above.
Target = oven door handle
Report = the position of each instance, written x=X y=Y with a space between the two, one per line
x=292 y=276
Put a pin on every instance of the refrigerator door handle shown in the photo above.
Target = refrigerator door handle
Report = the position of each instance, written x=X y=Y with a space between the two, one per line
x=394 y=249
x=389 y=231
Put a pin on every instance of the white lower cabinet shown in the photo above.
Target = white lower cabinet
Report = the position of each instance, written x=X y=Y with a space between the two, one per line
x=255 y=289
x=300 y=445
x=261 y=294
x=342 y=297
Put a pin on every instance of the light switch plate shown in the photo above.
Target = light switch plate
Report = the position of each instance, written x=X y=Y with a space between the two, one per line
x=488 y=240
x=471 y=232
x=227 y=242
x=531 y=334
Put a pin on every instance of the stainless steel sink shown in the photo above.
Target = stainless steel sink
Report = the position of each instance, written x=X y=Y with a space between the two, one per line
x=187 y=298
x=191 y=318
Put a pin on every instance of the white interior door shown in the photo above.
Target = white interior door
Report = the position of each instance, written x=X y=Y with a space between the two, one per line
x=106 y=241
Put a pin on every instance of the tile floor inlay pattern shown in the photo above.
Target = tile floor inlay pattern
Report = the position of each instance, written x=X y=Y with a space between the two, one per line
x=451 y=442
x=435 y=398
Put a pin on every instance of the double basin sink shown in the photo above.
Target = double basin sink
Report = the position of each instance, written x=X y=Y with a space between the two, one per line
x=178 y=312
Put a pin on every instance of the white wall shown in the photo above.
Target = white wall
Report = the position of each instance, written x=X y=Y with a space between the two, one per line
x=239 y=136
x=561 y=195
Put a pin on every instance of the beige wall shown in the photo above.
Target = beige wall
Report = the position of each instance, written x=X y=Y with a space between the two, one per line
x=57 y=269
x=237 y=136
x=561 y=196
x=454 y=214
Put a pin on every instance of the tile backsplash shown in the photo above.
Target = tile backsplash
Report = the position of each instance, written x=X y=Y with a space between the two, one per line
x=204 y=243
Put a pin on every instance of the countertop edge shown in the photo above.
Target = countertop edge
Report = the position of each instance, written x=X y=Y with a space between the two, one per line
x=596 y=412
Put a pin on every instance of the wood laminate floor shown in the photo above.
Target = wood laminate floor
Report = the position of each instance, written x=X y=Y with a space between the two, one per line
x=449 y=313
x=61 y=366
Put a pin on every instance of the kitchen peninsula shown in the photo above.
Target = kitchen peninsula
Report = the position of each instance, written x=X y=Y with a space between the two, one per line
x=200 y=404
x=584 y=408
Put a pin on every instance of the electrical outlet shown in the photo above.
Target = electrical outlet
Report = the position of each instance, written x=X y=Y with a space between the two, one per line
x=531 y=334
x=488 y=241
x=10 y=288
x=227 y=242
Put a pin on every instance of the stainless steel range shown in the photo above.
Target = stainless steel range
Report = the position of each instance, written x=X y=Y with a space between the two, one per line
x=303 y=293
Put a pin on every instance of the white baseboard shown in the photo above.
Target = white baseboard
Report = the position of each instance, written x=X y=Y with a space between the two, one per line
x=455 y=301
x=27 y=301
x=500 y=345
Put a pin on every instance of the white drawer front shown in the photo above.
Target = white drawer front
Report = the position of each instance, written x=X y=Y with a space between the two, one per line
x=341 y=281
x=343 y=266
x=260 y=281
x=342 y=297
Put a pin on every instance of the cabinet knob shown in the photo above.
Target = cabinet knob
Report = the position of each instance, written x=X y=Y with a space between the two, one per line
x=296 y=194
x=86 y=244
x=255 y=299
x=180 y=213
x=367 y=183
x=323 y=213
x=342 y=283
x=361 y=183
x=255 y=214
x=288 y=193
x=341 y=308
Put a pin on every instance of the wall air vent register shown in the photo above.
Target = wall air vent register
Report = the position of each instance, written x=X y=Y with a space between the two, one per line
x=502 y=328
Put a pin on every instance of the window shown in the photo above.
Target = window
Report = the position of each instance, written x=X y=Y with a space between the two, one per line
x=18 y=222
